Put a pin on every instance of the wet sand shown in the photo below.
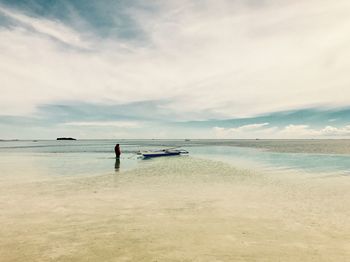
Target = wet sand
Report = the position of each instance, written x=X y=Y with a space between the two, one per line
x=176 y=209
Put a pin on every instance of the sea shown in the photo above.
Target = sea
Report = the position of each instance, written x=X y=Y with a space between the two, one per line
x=91 y=157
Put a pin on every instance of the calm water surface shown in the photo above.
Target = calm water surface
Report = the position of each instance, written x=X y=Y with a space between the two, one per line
x=85 y=157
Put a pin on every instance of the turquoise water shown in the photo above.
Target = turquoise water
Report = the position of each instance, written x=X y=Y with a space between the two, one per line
x=96 y=156
x=276 y=161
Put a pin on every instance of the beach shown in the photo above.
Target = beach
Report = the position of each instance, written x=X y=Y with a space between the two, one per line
x=174 y=131
x=176 y=209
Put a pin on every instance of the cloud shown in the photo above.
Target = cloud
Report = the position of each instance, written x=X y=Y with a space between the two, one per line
x=299 y=131
x=179 y=61
x=245 y=131
x=304 y=131
x=222 y=58
x=287 y=132
x=249 y=127
x=49 y=28
x=119 y=124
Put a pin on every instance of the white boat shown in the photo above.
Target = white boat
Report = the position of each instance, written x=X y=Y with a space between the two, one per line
x=164 y=152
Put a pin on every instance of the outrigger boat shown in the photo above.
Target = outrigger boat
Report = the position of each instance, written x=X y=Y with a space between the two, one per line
x=164 y=152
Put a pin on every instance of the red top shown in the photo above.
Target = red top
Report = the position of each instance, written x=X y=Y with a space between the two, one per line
x=117 y=150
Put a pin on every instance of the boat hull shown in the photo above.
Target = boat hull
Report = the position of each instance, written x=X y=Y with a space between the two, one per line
x=153 y=154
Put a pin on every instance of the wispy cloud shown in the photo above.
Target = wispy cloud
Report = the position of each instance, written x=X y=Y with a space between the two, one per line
x=230 y=58
x=305 y=131
x=118 y=124
x=49 y=28
x=289 y=131
x=207 y=59
x=245 y=131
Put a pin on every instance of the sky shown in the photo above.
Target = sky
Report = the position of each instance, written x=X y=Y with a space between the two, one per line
x=174 y=69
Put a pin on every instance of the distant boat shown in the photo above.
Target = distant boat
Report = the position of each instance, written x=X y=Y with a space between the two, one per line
x=187 y=140
x=65 y=138
x=164 y=152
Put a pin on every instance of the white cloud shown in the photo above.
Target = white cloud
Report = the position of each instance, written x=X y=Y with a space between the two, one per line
x=50 y=28
x=298 y=131
x=245 y=131
x=252 y=127
x=307 y=132
x=249 y=127
x=225 y=58
x=290 y=131
x=119 y=124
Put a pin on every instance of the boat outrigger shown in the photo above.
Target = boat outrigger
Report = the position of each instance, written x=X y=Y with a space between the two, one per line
x=164 y=152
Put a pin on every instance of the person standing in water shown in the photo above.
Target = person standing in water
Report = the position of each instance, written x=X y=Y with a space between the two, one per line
x=117 y=151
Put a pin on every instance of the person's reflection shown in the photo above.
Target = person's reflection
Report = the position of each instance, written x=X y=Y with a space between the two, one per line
x=117 y=164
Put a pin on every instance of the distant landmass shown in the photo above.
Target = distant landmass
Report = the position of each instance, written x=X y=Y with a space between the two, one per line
x=65 y=138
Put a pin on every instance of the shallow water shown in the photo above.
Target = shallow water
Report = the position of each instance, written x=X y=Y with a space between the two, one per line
x=74 y=206
x=88 y=157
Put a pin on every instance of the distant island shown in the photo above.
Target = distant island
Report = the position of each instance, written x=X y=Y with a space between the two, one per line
x=65 y=138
